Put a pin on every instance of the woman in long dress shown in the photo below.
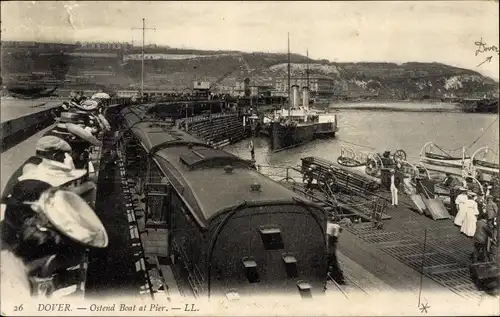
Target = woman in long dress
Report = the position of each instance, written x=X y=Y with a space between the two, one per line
x=471 y=213
x=460 y=203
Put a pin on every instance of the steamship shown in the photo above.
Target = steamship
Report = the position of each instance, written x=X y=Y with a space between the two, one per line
x=297 y=125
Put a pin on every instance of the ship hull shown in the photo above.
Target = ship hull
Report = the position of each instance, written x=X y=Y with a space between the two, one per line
x=285 y=137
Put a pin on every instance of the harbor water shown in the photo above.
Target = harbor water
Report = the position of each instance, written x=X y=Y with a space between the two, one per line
x=377 y=131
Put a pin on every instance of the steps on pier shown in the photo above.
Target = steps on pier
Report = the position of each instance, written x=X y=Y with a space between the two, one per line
x=219 y=131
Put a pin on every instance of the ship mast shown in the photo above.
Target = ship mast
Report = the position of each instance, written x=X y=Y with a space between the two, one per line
x=289 y=97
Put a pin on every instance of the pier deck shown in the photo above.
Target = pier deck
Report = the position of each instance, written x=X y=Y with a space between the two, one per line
x=12 y=108
x=12 y=158
x=447 y=251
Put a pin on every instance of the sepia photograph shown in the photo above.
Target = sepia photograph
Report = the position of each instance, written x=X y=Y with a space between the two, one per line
x=250 y=158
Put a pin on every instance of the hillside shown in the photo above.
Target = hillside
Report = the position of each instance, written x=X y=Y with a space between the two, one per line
x=389 y=80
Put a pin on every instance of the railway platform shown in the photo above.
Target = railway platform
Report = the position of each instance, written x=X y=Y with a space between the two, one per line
x=12 y=108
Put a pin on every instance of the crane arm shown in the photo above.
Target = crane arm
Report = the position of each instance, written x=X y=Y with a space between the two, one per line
x=223 y=77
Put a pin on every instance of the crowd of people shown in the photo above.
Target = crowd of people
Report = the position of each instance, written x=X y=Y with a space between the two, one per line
x=477 y=218
x=476 y=205
x=48 y=221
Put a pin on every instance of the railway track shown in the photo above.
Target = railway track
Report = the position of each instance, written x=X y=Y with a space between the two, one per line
x=348 y=290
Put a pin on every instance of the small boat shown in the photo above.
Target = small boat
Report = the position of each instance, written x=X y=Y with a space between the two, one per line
x=436 y=158
x=483 y=161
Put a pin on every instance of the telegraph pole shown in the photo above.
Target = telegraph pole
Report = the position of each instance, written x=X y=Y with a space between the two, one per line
x=144 y=28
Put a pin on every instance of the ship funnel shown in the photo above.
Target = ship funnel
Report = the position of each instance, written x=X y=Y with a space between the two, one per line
x=295 y=97
x=305 y=97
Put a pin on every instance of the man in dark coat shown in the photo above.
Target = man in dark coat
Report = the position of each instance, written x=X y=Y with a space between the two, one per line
x=481 y=238
x=491 y=209
x=333 y=230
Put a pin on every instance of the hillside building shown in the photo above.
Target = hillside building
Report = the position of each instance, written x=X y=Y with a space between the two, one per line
x=260 y=90
x=201 y=85
x=318 y=85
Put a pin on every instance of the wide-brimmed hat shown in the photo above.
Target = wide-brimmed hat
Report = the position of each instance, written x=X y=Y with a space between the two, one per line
x=88 y=105
x=70 y=117
x=73 y=217
x=52 y=143
x=471 y=193
x=100 y=95
x=462 y=189
x=82 y=133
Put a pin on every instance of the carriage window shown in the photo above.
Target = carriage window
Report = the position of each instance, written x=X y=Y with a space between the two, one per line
x=304 y=289
x=251 y=270
x=271 y=237
x=290 y=265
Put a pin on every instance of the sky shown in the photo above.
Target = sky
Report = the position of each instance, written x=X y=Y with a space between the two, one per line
x=350 y=31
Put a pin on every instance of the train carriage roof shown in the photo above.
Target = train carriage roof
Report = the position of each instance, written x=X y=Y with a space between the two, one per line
x=209 y=189
x=198 y=172
x=154 y=134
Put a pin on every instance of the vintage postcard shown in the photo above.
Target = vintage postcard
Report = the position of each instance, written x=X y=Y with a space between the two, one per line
x=249 y=158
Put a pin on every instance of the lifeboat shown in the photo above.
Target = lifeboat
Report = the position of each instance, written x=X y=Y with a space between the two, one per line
x=438 y=159
x=484 y=161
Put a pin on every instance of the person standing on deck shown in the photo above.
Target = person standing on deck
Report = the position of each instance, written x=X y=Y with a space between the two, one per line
x=488 y=190
x=330 y=180
x=448 y=181
x=496 y=240
x=491 y=209
x=480 y=176
x=471 y=213
x=308 y=178
x=481 y=239
x=332 y=232
x=394 y=188
x=252 y=150
x=460 y=202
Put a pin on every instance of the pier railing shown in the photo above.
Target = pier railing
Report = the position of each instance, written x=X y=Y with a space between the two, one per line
x=281 y=173
x=342 y=204
x=181 y=123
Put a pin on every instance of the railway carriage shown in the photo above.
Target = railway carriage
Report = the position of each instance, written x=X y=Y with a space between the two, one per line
x=231 y=230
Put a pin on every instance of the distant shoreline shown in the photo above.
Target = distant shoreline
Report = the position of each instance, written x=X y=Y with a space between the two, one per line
x=427 y=101
x=396 y=105
x=389 y=109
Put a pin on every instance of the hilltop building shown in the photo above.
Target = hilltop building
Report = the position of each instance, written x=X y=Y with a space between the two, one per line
x=103 y=46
